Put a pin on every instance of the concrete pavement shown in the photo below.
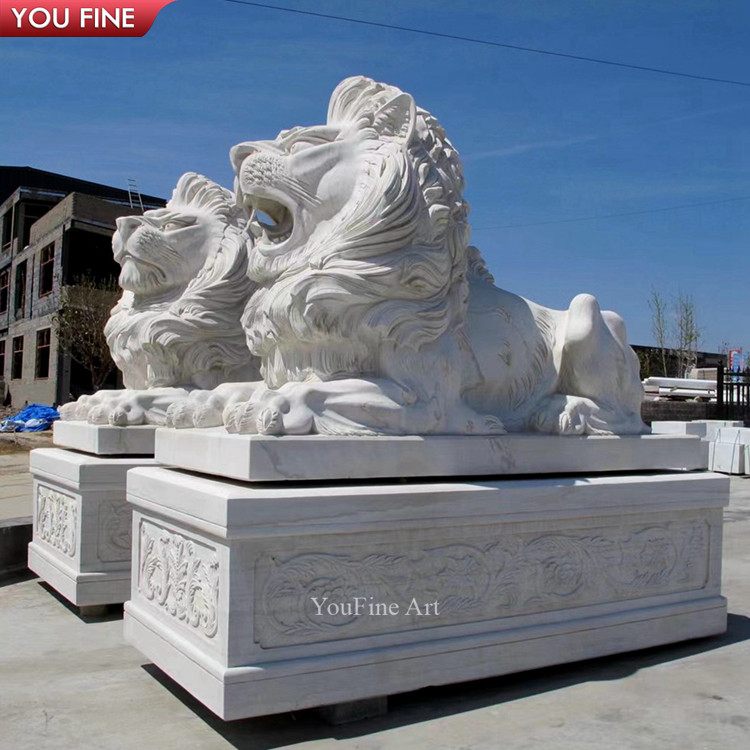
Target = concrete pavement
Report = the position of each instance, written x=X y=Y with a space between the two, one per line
x=70 y=683
x=15 y=480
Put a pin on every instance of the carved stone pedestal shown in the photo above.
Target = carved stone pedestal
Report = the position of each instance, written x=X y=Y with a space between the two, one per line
x=262 y=598
x=81 y=541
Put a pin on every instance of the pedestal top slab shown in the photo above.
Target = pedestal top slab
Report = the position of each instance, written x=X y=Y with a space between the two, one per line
x=82 y=470
x=262 y=458
x=105 y=440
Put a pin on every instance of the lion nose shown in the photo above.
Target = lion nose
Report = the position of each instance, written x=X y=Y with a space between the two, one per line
x=260 y=169
x=239 y=153
x=126 y=225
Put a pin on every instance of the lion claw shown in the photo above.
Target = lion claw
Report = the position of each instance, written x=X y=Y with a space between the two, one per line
x=240 y=419
x=270 y=421
x=207 y=416
x=98 y=415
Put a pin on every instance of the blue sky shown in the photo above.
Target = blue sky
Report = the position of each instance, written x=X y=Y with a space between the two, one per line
x=544 y=139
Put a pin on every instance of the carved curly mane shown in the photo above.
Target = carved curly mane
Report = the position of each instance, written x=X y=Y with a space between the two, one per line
x=405 y=228
x=194 y=339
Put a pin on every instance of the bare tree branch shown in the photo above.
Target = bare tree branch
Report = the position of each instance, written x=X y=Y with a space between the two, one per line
x=79 y=325
x=660 y=327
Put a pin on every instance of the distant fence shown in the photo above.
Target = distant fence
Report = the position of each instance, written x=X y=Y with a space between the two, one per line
x=732 y=394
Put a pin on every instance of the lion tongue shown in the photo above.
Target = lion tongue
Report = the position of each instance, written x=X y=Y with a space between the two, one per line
x=255 y=228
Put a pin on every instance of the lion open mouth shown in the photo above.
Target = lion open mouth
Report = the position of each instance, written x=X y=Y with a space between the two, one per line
x=270 y=221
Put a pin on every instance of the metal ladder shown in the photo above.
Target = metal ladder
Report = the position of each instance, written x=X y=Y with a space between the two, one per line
x=133 y=192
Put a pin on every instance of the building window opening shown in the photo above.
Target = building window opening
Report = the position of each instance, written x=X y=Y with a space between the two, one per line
x=42 y=353
x=17 y=364
x=7 y=220
x=46 y=270
x=4 y=284
x=20 y=290
x=2 y=359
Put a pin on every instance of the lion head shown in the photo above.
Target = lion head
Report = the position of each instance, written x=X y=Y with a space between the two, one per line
x=360 y=236
x=184 y=272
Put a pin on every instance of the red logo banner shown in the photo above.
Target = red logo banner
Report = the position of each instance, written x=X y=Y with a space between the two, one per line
x=78 y=17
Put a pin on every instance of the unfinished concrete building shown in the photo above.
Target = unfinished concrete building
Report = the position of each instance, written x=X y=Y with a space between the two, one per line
x=53 y=230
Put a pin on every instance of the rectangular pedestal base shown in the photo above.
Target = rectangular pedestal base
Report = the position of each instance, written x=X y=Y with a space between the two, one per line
x=262 y=599
x=81 y=589
x=242 y=692
x=82 y=525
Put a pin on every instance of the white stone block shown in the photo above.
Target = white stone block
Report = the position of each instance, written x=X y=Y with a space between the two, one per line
x=81 y=524
x=104 y=440
x=679 y=428
x=265 y=458
x=455 y=580
x=733 y=435
x=727 y=458
x=714 y=425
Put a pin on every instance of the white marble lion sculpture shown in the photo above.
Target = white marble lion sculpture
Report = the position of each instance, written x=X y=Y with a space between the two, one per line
x=177 y=326
x=373 y=315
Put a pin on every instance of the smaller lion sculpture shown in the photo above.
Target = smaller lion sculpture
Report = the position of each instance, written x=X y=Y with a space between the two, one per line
x=176 y=327
x=373 y=315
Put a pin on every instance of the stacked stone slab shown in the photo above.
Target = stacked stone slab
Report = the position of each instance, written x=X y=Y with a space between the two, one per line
x=729 y=451
x=725 y=442
x=261 y=587
x=81 y=542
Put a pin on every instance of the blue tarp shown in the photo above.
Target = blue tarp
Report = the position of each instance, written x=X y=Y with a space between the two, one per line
x=33 y=418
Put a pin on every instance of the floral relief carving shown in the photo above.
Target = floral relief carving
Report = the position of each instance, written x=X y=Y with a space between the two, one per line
x=114 y=539
x=180 y=576
x=57 y=519
x=503 y=575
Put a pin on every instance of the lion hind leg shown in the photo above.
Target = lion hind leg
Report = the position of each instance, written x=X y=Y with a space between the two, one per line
x=597 y=364
x=562 y=414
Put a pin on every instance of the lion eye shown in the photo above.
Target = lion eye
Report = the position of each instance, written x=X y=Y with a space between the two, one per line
x=173 y=224
x=298 y=146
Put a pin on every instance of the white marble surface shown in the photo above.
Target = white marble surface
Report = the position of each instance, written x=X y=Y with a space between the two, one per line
x=523 y=574
x=312 y=457
x=105 y=440
x=82 y=524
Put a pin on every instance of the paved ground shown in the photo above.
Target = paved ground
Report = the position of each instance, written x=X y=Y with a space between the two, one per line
x=69 y=683
x=15 y=481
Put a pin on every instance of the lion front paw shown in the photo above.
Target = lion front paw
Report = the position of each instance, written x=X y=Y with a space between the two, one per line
x=81 y=409
x=256 y=418
x=271 y=413
x=69 y=412
x=117 y=414
x=193 y=413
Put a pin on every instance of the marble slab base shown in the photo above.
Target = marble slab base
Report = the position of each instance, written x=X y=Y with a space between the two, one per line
x=262 y=599
x=81 y=524
x=263 y=458
x=105 y=440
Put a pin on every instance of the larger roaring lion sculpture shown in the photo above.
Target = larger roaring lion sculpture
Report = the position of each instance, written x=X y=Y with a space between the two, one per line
x=374 y=315
x=176 y=327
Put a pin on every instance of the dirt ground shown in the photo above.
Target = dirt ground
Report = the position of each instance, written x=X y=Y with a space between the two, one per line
x=20 y=442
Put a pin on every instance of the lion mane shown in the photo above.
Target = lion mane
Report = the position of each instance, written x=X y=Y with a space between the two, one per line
x=405 y=228
x=193 y=339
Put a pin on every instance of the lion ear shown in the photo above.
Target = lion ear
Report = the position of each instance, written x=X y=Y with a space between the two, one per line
x=397 y=119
